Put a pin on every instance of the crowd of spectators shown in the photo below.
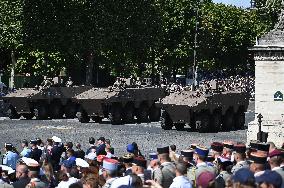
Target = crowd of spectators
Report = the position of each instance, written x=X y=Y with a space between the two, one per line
x=224 y=164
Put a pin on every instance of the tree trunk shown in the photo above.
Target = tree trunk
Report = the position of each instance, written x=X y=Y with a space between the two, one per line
x=89 y=68
x=14 y=62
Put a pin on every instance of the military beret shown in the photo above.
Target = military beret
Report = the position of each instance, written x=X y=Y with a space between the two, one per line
x=275 y=152
x=163 y=150
x=269 y=177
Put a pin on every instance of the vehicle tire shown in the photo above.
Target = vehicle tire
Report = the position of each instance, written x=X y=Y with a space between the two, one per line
x=70 y=110
x=115 y=115
x=28 y=116
x=216 y=120
x=166 y=122
x=56 y=110
x=179 y=126
x=142 y=114
x=128 y=114
x=83 y=117
x=41 y=112
x=228 y=121
x=12 y=113
x=205 y=119
x=97 y=119
x=154 y=114
x=239 y=119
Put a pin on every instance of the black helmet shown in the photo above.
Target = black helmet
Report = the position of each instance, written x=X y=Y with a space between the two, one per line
x=92 y=140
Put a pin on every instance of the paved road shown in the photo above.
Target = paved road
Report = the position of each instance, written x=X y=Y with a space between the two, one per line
x=148 y=136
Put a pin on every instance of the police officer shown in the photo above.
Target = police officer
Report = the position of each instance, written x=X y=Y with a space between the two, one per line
x=10 y=157
x=35 y=152
x=201 y=166
x=56 y=152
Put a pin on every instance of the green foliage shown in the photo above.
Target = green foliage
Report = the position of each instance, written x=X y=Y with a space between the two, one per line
x=11 y=16
x=225 y=35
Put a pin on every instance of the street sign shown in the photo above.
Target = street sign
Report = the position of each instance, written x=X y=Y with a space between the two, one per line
x=278 y=96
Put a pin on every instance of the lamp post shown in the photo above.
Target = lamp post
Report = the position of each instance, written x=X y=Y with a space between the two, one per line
x=194 y=67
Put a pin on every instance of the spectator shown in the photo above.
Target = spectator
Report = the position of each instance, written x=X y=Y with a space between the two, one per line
x=90 y=181
x=181 y=181
x=35 y=152
x=48 y=176
x=269 y=179
x=100 y=150
x=65 y=181
x=22 y=176
x=79 y=153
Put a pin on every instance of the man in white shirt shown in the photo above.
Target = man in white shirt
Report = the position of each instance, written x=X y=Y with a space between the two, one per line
x=181 y=181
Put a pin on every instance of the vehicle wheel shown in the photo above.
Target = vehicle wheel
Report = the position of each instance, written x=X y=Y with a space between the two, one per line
x=128 y=114
x=228 y=121
x=154 y=114
x=12 y=113
x=83 y=117
x=115 y=115
x=41 y=112
x=56 y=110
x=239 y=119
x=179 y=126
x=28 y=116
x=204 y=119
x=216 y=121
x=70 y=110
x=166 y=122
x=97 y=119
x=142 y=114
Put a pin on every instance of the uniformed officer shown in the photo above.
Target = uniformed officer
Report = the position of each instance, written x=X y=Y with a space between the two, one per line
x=200 y=156
x=10 y=157
x=127 y=161
x=56 y=153
x=216 y=149
x=187 y=157
x=259 y=160
x=109 y=171
x=224 y=175
x=26 y=150
x=35 y=152
x=239 y=158
x=165 y=174
x=228 y=149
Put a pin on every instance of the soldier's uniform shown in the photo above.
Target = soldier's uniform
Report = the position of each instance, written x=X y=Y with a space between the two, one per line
x=165 y=174
x=195 y=171
x=241 y=149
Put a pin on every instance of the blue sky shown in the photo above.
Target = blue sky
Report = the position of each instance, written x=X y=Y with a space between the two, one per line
x=239 y=3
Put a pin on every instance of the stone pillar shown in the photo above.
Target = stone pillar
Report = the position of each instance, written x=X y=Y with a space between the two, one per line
x=269 y=88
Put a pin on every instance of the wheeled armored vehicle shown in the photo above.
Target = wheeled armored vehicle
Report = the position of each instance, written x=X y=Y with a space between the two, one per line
x=204 y=112
x=120 y=105
x=51 y=102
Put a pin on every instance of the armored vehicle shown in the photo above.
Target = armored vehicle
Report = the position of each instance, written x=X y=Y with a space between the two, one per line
x=120 y=105
x=43 y=103
x=204 y=112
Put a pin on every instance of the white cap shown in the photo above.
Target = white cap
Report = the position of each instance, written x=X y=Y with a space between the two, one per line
x=56 y=139
x=30 y=162
x=7 y=168
x=91 y=156
x=82 y=163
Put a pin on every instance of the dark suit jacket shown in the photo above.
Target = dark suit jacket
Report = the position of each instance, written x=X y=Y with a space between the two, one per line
x=21 y=183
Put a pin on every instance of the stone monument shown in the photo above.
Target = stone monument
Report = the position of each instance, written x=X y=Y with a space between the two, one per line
x=269 y=85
